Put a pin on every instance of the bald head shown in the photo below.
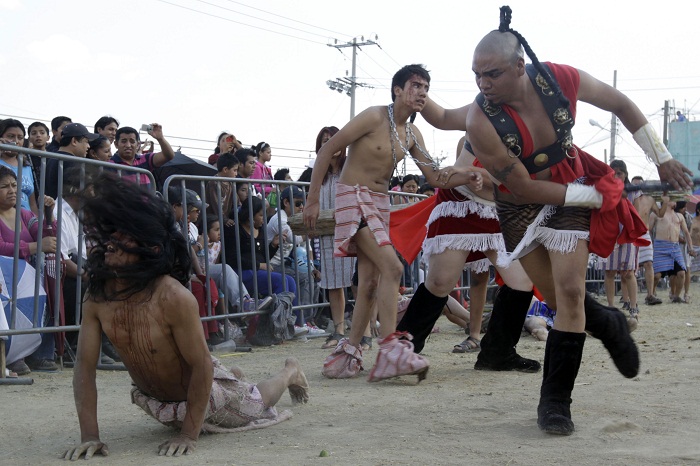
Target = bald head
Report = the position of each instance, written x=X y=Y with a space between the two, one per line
x=500 y=44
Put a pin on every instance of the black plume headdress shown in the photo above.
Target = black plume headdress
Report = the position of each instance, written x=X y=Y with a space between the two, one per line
x=504 y=26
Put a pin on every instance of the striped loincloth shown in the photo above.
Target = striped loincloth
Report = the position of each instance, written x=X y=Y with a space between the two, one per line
x=460 y=223
x=527 y=226
x=623 y=257
x=646 y=253
x=336 y=272
x=666 y=253
x=355 y=204
x=234 y=406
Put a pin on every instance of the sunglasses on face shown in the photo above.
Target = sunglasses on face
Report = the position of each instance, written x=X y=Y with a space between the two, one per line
x=298 y=203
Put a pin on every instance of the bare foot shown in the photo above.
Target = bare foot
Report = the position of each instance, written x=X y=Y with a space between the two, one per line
x=298 y=385
x=238 y=372
x=540 y=334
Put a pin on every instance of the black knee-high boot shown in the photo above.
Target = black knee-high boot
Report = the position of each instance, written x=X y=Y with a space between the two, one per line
x=503 y=333
x=562 y=359
x=610 y=326
x=423 y=311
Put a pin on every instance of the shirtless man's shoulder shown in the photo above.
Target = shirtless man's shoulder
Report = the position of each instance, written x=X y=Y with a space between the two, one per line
x=370 y=159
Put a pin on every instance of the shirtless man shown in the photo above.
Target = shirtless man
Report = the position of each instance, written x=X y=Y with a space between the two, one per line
x=520 y=130
x=377 y=140
x=668 y=254
x=137 y=267
x=645 y=205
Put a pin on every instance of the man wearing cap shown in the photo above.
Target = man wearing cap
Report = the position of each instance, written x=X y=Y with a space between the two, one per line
x=75 y=141
x=291 y=202
x=127 y=142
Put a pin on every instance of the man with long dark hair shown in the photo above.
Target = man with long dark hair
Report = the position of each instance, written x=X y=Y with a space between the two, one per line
x=137 y=267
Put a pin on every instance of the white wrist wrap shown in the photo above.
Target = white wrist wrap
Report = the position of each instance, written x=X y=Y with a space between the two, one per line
x=652 y=146
x=580 y=195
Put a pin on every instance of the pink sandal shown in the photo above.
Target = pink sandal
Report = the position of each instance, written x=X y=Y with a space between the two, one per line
x=345 y=361
x=396 y=358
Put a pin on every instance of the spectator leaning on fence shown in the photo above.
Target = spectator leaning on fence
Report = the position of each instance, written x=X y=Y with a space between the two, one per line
x=43 y=357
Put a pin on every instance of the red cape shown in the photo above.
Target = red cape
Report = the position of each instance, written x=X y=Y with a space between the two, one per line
x=408 y=227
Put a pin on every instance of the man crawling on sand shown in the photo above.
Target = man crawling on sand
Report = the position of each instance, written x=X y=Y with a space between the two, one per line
x=137 y=266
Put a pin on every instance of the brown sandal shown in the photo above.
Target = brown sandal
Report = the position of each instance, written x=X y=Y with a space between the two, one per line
x=470 y=345
x=332 y=340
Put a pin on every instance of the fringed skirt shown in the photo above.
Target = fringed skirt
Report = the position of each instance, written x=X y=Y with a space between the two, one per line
x=460 y=223
x=528 y=226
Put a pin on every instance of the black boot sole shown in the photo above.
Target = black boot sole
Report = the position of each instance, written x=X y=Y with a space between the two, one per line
x=517 y=363
x=555 y=418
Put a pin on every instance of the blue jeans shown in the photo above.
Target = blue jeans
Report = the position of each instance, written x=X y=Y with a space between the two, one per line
x=279 y=283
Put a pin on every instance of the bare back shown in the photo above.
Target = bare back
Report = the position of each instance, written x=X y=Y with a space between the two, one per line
x=370 y=159
x=645 y=205
x=142 y=331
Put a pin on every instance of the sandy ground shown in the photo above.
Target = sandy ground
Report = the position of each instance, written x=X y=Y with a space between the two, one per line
x=456 y=416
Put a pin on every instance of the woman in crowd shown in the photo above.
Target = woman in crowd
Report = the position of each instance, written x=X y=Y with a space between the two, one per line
x=263 y=152
x=409 y=184
x=226 y=142
x=12 y=132
x=43 y=358
x=100 y=149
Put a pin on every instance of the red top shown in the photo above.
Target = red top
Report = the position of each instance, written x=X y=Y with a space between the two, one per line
x=615 y=209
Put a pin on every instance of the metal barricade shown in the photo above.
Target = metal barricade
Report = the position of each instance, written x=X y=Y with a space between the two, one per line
x=47 y=274
x=208 y=186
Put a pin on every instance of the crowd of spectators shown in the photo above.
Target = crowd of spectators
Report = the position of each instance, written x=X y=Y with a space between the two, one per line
x=239 y=263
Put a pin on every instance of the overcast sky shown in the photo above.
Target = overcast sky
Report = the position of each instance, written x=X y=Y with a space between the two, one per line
x=259 y=69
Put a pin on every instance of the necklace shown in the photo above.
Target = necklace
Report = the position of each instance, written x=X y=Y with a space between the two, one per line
x=409 y=135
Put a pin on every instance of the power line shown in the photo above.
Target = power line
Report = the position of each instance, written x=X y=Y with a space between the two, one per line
x=290 y=19
x=390 y=57
x=241 y=23
x=260 y=19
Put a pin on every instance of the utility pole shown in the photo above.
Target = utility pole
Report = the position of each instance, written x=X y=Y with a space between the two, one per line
x=349 y=85
x=666 y=118
x=613 y=125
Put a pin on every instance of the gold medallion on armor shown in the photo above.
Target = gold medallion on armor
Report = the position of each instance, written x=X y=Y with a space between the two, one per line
x=561 y=116
x=491 y=110
x=543 y=85
x=541 y=159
